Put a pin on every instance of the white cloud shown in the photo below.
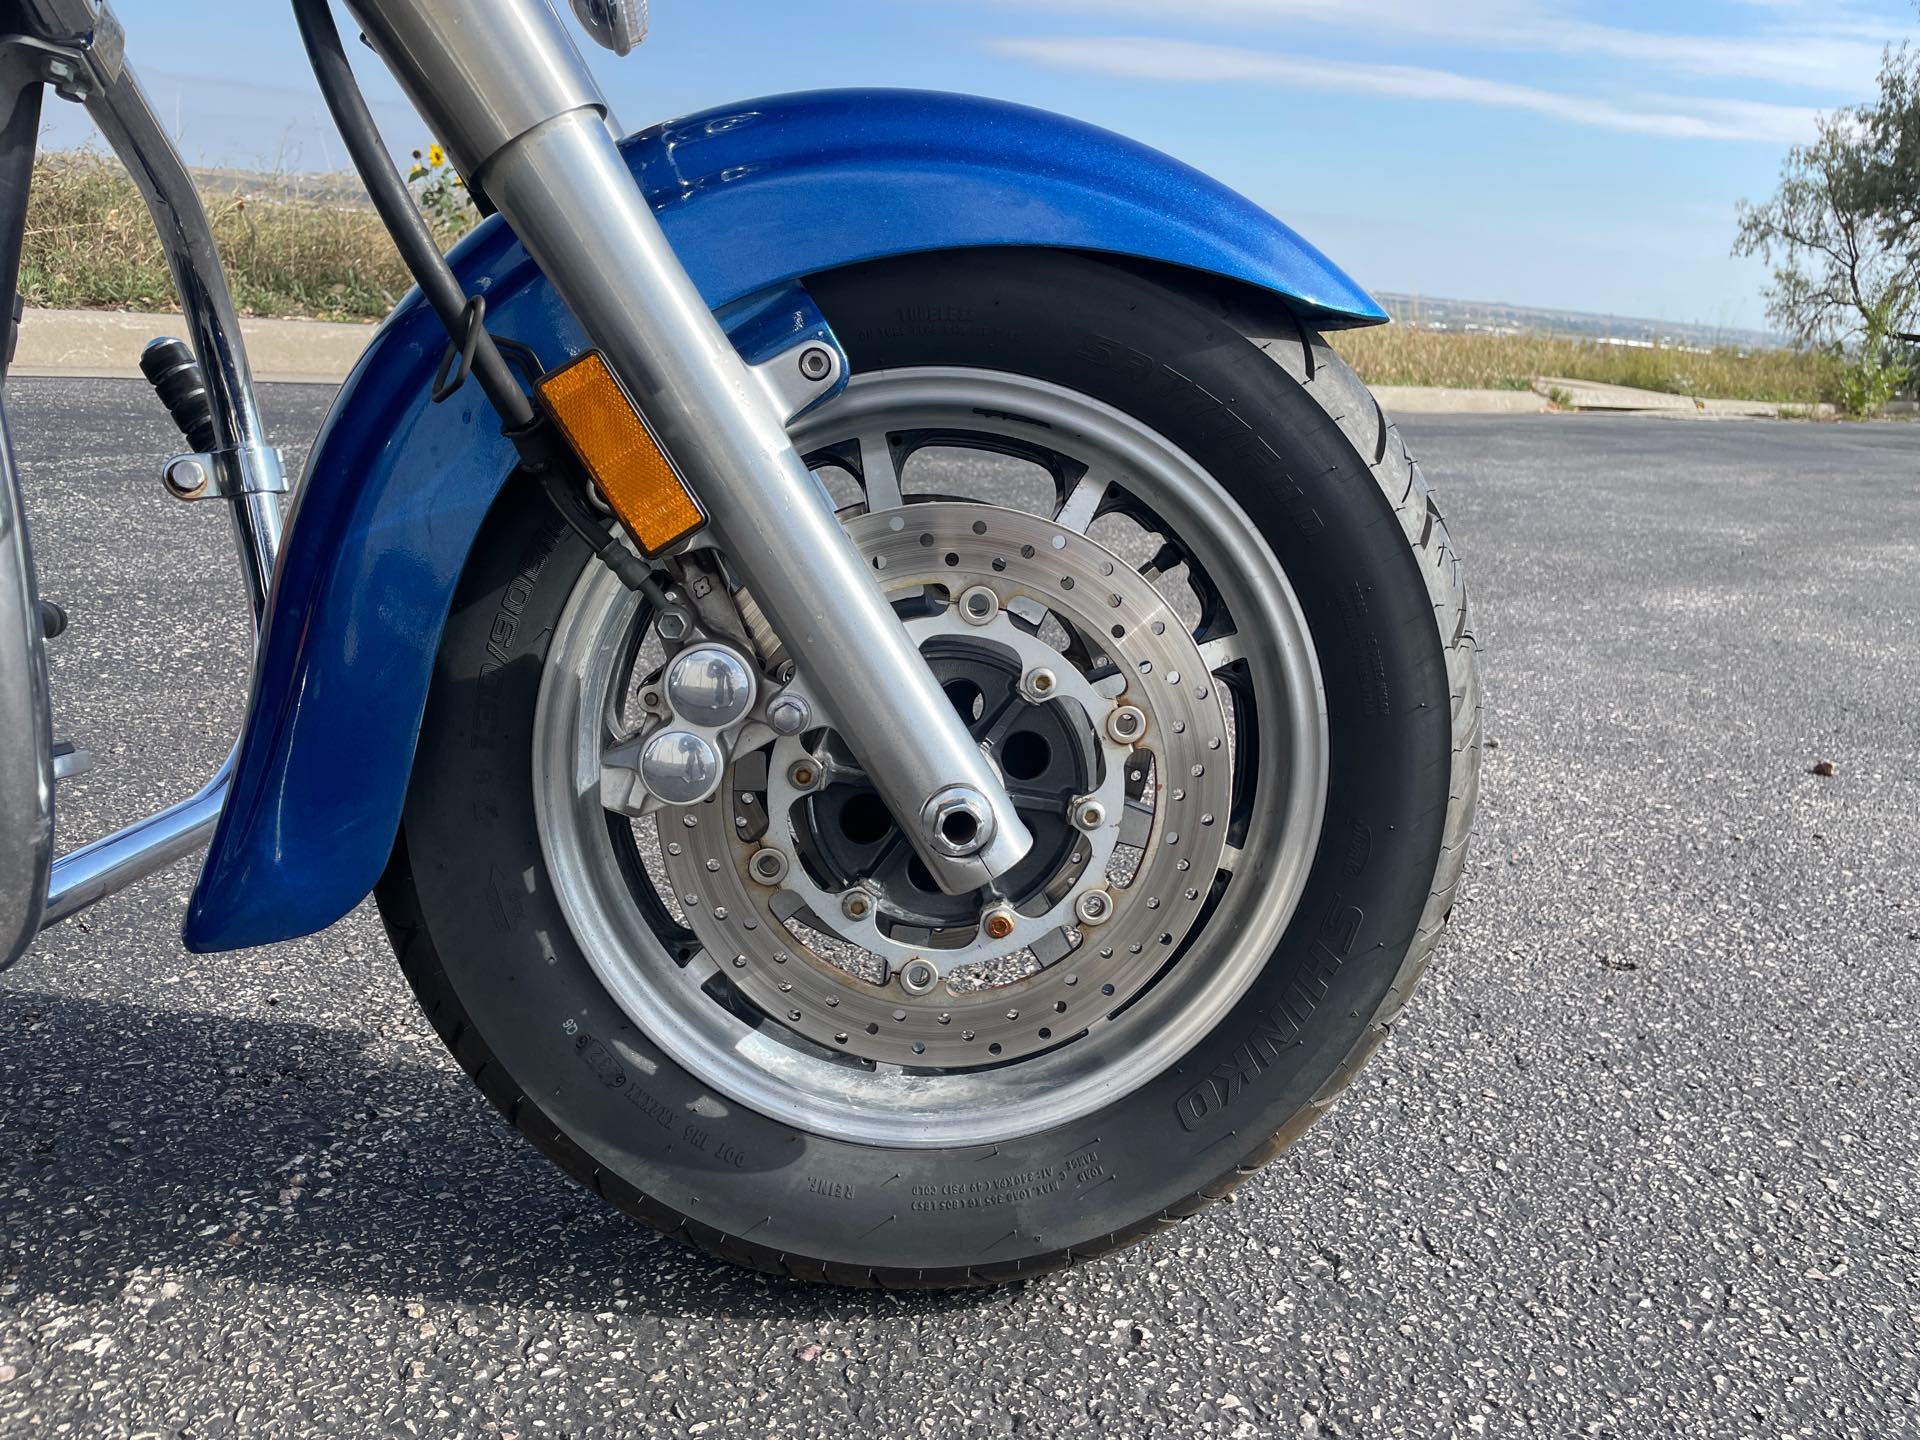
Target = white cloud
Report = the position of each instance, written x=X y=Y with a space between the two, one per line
x=1824 y=49
x=1186 y=61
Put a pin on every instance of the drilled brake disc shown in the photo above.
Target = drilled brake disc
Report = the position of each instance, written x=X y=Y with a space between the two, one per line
x=894 y=974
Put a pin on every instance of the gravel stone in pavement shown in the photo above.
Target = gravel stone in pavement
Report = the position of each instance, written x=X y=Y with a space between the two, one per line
x=1641 y=1160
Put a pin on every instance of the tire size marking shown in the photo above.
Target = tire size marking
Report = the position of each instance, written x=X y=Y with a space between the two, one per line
x=1279 y=1029
x=1080 y=1170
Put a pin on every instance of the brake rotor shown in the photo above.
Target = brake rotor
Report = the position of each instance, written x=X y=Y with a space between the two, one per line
x=886 y=970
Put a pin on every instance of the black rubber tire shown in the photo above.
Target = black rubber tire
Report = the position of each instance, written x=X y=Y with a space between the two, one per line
x=1269 y=409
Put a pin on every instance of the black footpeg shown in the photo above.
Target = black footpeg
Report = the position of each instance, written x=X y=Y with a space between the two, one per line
x=175 y=376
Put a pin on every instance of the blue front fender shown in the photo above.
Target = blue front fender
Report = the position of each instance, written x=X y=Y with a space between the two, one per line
x=751 y=197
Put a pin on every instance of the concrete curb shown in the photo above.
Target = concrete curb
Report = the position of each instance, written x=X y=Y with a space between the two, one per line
x=1592 y=395
x=1436 y=400
x=107 y=343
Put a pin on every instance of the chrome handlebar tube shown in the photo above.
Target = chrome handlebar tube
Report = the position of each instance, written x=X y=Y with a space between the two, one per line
x=501 y=84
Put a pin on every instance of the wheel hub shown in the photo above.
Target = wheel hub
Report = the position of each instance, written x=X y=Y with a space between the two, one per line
x=1095 y=705
x=845 y=836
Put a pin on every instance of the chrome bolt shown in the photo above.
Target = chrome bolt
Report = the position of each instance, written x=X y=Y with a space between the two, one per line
x=788 y=715
x=918 y=976
x=768 y=866
x=816 y=363
x=979 y=604
x=674 y=623
x=1094 y=908
x=998 y=923
x=1088 y=814
x=1039 y=684
x=804 y=774
x=1127 y=724
x=856 y=905
x=186 y=477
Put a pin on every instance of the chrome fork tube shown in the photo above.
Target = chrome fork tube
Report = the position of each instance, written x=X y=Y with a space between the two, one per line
x=500 y=82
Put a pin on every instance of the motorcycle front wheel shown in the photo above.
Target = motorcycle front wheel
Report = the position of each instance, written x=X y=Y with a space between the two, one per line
x=1180 y=577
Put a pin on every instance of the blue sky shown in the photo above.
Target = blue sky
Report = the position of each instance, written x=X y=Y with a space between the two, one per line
x=1585 y=156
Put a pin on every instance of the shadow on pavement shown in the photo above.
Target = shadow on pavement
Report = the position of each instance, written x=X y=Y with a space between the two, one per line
x=139 y=1139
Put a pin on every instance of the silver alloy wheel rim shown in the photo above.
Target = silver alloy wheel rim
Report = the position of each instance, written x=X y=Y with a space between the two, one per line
x=753 y=1067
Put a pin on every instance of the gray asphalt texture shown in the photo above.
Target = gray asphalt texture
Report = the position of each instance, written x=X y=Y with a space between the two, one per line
x=1641 y=1160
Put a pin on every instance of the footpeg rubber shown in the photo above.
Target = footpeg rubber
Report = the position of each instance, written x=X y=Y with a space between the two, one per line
x=175 y=376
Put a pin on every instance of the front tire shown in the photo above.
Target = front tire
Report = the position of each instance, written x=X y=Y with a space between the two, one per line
x=1294 y=441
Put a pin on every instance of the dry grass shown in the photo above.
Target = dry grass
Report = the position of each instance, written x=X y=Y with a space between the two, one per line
x=1399 y=355
x=90 y=244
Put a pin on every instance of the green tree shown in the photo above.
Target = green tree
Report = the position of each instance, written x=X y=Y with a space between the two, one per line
x=1842 y=236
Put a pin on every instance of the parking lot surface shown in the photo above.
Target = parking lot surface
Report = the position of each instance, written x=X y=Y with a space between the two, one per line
x=1642 y=1158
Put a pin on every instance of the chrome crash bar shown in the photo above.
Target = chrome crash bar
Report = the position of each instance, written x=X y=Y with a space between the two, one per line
x=79 y=48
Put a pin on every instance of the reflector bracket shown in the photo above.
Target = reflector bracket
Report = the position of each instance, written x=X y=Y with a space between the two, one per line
x=640 y=484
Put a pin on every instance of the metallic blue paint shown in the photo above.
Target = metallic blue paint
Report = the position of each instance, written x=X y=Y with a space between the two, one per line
x=752 y=196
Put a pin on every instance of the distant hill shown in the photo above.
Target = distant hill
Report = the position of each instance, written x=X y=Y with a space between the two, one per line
x=1427 y=312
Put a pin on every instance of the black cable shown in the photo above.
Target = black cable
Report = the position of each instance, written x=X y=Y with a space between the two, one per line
x=403 y=221
x=543 y=454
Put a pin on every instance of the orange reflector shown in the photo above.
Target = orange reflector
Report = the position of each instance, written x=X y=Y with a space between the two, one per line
x=626 y=462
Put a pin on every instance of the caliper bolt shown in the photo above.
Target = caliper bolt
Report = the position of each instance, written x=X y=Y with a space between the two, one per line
x=1127 y=724
x=788 y=715
x=804 y=774
x=997 y=923
x=768 y=866
x=674 y=623
x=1088 y=814
x=918 y=976
x=856 y=905
x=1094 y=908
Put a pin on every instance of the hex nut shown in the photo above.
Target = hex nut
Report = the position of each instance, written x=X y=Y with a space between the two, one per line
x=788 y=715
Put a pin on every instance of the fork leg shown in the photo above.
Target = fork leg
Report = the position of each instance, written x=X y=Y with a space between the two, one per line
x=501 y=83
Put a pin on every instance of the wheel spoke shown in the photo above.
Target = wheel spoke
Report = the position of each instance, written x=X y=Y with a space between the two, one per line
x=877 y=473
x=1083 y=499
x=1221 y=652
x=1164 y=559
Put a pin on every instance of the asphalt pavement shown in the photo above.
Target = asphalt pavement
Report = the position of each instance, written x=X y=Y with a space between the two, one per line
x=1641 y=1159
